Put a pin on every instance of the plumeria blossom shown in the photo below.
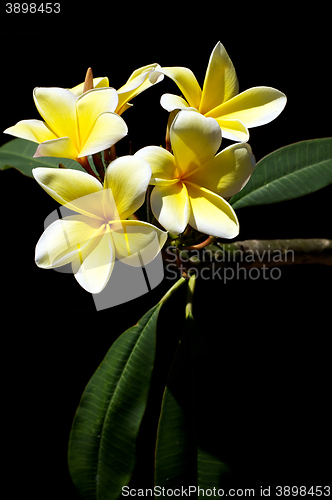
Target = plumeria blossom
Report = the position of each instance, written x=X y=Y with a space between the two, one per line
x=99 y=231
x=73 y=127
x=220 y=99
x=191 y=185
x=136 y=83
x=78 y=123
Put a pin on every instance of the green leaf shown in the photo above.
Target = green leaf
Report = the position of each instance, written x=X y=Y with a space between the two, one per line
x=289 y=172
x=189 y=451
x=19 y=154
x=103 y=437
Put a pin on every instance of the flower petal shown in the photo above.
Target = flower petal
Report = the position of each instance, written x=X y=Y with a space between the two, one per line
x=128 y=178
x=171 y=102
x=162 y=163
x=100 y=82
x=254 y=107
x=137 y=83
x=59 y=148
x=97 y=83
x=137 y=78
x=220 y=82
x=32 y=130
x=137 y=243
x=233 y=129
x=57 y=246
x=185 y=80
x=68 y=186
x=58 y=109
x=90 y=105
x=195 y=139
x=228 y=172
x=94 y=267
x=211 y=214
x=170 y=206
x=108 y=129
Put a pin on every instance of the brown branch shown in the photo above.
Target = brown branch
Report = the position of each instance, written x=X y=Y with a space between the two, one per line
x=254 y=253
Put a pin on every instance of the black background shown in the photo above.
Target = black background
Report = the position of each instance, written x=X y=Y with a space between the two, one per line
x=269 y=338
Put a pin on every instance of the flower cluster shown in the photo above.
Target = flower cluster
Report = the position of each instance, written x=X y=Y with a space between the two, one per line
x=192 y=180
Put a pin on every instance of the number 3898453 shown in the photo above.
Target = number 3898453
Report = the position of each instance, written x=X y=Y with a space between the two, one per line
x=32 y=8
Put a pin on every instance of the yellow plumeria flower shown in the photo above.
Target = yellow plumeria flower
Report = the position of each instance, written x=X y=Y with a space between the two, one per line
x=73 y=127
x=190 y=186
x=92 y=238
x=219 y=98
x=136 y=83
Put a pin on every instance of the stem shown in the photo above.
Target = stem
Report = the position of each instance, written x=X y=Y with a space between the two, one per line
x=256 y=253
x=204 y=243
x=110 y=154
x=86 y=165
x=187 y=231
x=148 y=208
x=190 y=295
x=113 y=152
x=107 y=156
x=259 y=253
x=99 y=165
x=172 y=290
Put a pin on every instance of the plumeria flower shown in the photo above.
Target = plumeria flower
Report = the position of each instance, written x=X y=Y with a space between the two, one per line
x=73 y=127
x=99 y=231
x=136 y=83
x=220 y=99
x=83 y=120
x=191 y=186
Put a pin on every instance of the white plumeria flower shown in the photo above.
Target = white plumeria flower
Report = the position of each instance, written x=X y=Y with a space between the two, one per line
x=99 y=232
x=191 y=185
x=220 y=98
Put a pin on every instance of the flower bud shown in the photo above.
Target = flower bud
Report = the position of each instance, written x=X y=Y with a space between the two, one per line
x=88 y=82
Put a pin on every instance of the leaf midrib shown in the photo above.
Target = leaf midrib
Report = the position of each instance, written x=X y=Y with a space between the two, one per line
x=114 y=394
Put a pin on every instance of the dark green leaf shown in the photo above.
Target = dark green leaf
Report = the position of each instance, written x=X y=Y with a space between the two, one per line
x=19 y=154
x=289 y=172
x=103 y=437
x=189 y=450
